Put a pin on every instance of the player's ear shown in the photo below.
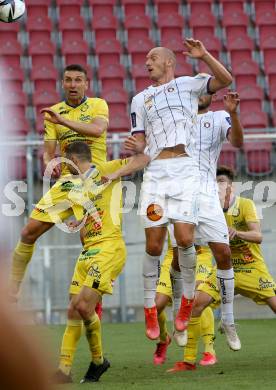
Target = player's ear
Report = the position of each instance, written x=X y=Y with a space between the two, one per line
x=214 y=97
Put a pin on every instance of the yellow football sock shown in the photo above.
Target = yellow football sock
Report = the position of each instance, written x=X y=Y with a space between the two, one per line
x=94 y=338
x=190 y=350
x=162 y=320
x=207 y=330
x=21 y=257
x=70 y=339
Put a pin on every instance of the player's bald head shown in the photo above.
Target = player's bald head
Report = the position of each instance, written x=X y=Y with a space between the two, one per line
x=165 y=53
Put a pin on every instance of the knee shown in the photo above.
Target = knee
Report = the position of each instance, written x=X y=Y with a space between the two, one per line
x=83 y=310
x=223 y=257
x=198 y=308
x=185 y=241
x=154 y=248
x=28 y=235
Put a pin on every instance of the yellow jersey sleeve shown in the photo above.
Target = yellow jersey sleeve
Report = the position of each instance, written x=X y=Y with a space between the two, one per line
x=101 y=110
x=249 y=211
x=50 y=133
x=112 y=166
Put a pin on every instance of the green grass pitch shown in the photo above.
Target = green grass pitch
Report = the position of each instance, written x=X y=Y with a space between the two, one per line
x=130 y=355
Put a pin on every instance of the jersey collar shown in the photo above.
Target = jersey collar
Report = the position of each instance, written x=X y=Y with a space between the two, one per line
x=82 y=101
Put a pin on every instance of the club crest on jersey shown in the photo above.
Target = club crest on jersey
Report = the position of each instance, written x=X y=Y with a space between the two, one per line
x=207 y=124
x=148 y=102
x=154 y=212
x=84 y=107
x=170 y=89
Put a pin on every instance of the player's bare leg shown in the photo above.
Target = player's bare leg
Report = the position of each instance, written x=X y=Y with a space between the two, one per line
x=184 y=235
x=23 y=251
x=271 y=302
x=225 y=277
x=155 y=237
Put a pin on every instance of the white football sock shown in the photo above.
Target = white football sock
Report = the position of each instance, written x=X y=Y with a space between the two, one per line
x=226 y=282
x=187 y=264
x=177 y=289
x=151 y=271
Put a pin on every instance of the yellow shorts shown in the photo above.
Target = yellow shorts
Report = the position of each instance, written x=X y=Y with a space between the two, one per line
x=203 y=269
x=99 y=266
x=55 y=206
x=254 y=283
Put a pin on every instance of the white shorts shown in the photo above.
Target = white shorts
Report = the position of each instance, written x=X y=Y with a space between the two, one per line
x=170 y=192
x=212 y=225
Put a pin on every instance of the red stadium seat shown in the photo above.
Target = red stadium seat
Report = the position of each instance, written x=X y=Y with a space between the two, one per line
x=100 y=8
x=175 y=43
x=170 y=25
x=67 y=10
x=183 y=69
x=265 y=18
x=258 y=158
x=233 y=32
x=17 y=125
x=45 y=98
x=201 y=31
x=263 y=5
x=11 y=86
x=15 y=97
x=39 y=23
x=9 y=47
x=251 y=105
x=112 y=76
x=73 y=22
x=251 y=92
x=77 y=48
x=244 y=80
x=39 y=61
x=246 y=67
x=10 y=30
x=17 y=166
x=254 y=119
x=228 y=156
x=69 y=2
x=105 y=27
x=232 y=6
x=44 y=77
x=240 y=43
x=139 y=70
x=199 y=6
x=274 y=119
x=108 y=51
x=137 y=26
x=41 y=46
x=167 y=6
x=134 y=7
x=234 y=18
x=141 y=83
x=269 y=62
x=12 y=72
x=268 y=42
x=36 y=35
x=212 y=44
x=238 y=56
x=138 y=49
x=37 y=10
x=202 y=19
x=115 y=96
x=119 y=123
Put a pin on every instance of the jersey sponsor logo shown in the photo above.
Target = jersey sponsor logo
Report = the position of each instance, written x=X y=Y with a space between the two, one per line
x=162 y=284
x=148 y=102
x=202 y=269
x=238 y=262
x=40 y=210
x=84 y=107
x=88 y=253
x=264 y=284
x=85 y=118
x=63 y=112
x=133 y=119
x=242 y=270
x=95 y=272
x=154 y=212
x=75 y=283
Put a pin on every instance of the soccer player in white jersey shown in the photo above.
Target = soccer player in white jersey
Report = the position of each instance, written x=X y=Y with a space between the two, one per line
x=164 y=118
x=213 y=128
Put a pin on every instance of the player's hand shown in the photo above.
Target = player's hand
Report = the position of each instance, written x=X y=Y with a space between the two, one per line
x=110 y=177
x=231 y=102
x=73 y=225
x=195 y=48
x=52 y=116
x=131 y=143
x=53 y=170
x=232 y=233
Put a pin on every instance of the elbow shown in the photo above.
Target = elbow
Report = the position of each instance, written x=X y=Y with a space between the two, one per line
x=260 y=239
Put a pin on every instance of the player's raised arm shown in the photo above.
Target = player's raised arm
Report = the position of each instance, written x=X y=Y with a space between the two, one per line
x=95 y=128
x=222 y=78
x=137 y=141
x=231 y=102
x=134 y=164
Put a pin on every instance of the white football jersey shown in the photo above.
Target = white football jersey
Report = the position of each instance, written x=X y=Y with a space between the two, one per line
x=167 y=114
x=212 y=130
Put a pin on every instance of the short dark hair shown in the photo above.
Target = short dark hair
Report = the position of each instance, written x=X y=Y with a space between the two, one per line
x=75 y=67
x=80 y=149
x=226 y=171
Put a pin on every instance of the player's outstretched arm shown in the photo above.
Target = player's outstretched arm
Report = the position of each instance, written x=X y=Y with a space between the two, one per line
x=231 y=103
x=134 y=164
x=222 y=78
x=253 y=234
x=94 y=128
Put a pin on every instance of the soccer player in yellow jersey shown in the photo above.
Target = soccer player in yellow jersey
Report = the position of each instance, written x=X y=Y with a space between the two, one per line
x=252 y=278
x=164 y=298
x=99 y=263
x=76 y=118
